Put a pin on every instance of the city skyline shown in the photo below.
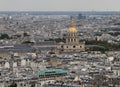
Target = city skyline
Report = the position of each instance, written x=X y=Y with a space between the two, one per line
x=59 y=5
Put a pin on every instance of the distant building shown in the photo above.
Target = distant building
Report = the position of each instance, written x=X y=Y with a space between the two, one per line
x=73 y=43
x=52 y=73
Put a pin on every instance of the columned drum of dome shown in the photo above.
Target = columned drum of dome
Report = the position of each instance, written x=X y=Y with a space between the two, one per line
x=72 y=37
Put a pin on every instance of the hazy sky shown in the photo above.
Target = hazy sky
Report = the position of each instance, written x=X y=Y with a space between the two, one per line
x=59 y=5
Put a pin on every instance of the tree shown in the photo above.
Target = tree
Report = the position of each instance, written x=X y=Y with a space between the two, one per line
x=28 y=42
x=4 y=36
x=25 y=34
x=33 y=84
x=51 y=52
x=13 y=85
x=105 y=44
x=57 y=40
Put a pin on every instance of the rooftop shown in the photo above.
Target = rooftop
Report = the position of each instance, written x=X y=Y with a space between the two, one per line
x=53 y=71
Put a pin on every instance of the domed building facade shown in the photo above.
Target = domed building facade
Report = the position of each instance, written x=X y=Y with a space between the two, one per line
x=72 y=43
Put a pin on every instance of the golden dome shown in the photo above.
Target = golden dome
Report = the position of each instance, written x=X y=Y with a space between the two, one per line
x=72 y=28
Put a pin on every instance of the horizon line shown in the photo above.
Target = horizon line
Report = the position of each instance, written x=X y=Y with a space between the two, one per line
x=60 y=11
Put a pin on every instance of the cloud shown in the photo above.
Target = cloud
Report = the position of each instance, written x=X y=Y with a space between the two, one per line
x=59 y=5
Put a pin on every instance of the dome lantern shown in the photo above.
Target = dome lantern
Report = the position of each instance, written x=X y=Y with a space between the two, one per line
x=72 y=27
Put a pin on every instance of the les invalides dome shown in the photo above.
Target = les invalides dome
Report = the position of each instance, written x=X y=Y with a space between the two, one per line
x=72 y=28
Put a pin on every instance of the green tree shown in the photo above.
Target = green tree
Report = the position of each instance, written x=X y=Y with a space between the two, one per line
x=57 y=40
x=27 y=42
x=4 y=36
x=108 y=46
x=13 y=85
x=51 y=52
x=25 y=34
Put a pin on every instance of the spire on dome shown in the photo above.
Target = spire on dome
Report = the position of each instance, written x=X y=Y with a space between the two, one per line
x=72 y=27
x=72 y=23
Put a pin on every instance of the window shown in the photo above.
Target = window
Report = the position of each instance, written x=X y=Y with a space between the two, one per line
x=21 y=84
x=62 y=50
x=74 y=40
x=74 y=46
x=66 y=46
x=62 y=46
x=68 y=40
